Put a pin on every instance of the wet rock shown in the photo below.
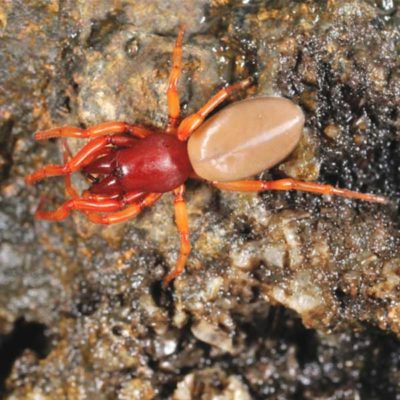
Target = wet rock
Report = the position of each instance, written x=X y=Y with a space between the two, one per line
x=211 y=384
x=285 y=295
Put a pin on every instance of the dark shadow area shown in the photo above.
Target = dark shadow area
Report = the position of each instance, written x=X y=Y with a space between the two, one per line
x=25 y=335
x=378 y=377
x=7 y=144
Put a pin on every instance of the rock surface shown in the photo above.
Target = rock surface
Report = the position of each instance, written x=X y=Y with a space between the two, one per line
x=286 y=295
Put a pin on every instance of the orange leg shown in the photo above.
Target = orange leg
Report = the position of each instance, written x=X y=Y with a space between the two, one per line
x=84 y=157
x=92 y=206
x=192 y=122
x=174 y=107
x=64 y=210
x=292 y=184
x=129 y=212
x=181 y=219
x=104 y=129
x=69 y=189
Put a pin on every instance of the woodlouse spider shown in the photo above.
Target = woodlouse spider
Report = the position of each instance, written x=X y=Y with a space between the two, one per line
x=135 y=165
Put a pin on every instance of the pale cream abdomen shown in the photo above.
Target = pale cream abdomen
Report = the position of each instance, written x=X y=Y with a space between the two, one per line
x=245 y=138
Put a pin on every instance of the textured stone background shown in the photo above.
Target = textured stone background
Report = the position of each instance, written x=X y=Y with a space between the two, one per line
x=286 y=295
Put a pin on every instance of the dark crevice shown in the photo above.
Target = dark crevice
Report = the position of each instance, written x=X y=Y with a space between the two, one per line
x=25 y=335
x=382 y=358
x=101 y=31
x=7 y=144
x=88 y=300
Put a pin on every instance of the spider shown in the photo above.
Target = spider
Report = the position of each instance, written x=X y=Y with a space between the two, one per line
x=131 y=165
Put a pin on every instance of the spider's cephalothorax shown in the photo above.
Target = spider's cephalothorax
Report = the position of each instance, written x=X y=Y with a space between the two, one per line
x=131 y=166
x=158 y=163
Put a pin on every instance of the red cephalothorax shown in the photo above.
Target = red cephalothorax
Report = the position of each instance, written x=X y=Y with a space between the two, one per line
x=159 y=163
x=131 y=166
